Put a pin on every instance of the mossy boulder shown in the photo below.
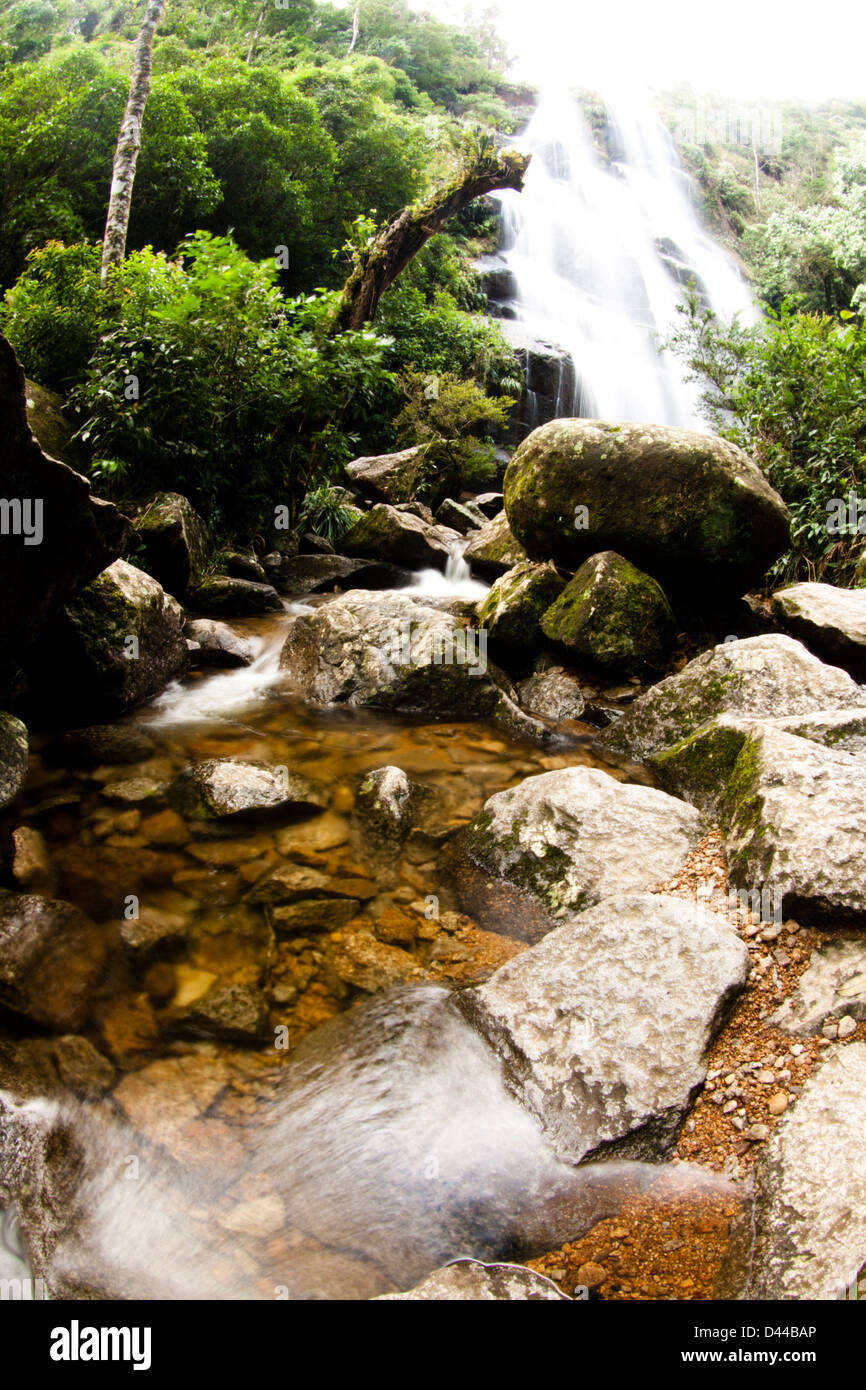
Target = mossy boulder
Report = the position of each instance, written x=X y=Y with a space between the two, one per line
x=613 y=616
x=393 y=477
x=689 y=508
x=52 y=429
x=758 y=677
x=221 y=596
x=14 y=757
x=176 y=542
x=512 y=611
x=495 y=550
x=398 y=538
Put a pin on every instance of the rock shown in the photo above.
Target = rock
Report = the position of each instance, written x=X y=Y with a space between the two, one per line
x=31 y=862
x=316 y=574
x=51 y=958
x=397 y=538
x=461 y=516
x=219 y=645
x=153 y=933
x=103 y=743
x=370 y=965
x=603 y=1027
x=759 y=677
x=691 y=509
x=517 y=602
x=395 y=652
x=311 y=544
x=176 y=543
x=491 y=504
x=119 y=642
x=223 y=787
x=613 y=616
x=551 y=381
x=222 y=596
x=314 y=837
x=831 y=622
x=833 y=986
x=77 y=534
x=805 y=1237
x=82 y=1067
x=14 y=758
x=391 y=477
x=386 y=804
x=52 y=429
x=570 y=838
x=239 y=564
x=313 y=914
x=470 y=1281
x=494 y=550
x=592 y=1276
x=552 y=695
x=796 y=826
x=236 y=1013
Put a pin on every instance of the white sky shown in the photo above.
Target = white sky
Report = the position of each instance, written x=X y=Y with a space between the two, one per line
x=758 y=49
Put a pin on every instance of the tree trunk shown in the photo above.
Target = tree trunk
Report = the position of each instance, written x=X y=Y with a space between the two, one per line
x=129 y=143
x=356 y=27
x=379 y=264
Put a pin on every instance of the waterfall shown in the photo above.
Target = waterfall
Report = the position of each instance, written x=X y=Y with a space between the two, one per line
x=597 y=253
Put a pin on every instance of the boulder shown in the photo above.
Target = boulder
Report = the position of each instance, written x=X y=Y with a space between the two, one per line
x=57 y=536
x=758 y=677
x=176 y=543
x=395 y=652
x=613 y=616
x=551 y=381
x=51 y=957
x=552 y=695
x=796 y=826
x=470 y=1281
x=513 y=610
x=316 y=574
x=805 y=1237
x=494 y=550
x=241 y=564
x=52 y=429
x=397 y=538
x=386 y=804
x=119 y=642
x=222 y=596
x=833 y=987
x=14 y=757
x=391 y=477
x=691 y=509
x=831 y=622
x=490 y=504
x=603 y=1027
x=569 y=838
x=225 y=787
x=461 y=516
x=219 y=645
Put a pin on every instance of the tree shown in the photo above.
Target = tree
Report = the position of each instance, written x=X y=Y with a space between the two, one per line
x=129 y=142
x=378 y=264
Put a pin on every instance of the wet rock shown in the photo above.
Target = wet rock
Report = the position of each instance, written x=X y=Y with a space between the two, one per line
x=603 y=1027
x=176 y=542
x=81 y=1067
x=397 y=538
x=391 y=477
x=517 y=602
x=221 y=596
x=31 y=863
x=490 y=503
x=370 y=965
x=219 y=645
x=386 y=805
x=134 y=791
x=317 y=574
x=153 y=933
x=165 y=828
x=311 y=544
x=832 y=987
x=806 y=1236
x=313 y=914
x=51 y=957
x=313 y=837
x=469 y=1281
x=461 y=516
x=759 y=677
x=240 y=564
x=570 y=838
x=224 y=787
x=552 y=695
x=796 y=826
x=494 y=551
x=613 y=616
x=831 y=622
x=236 y=1013
x=14 y=757
x=395 y=652
x=103 y=743
x=690 y=509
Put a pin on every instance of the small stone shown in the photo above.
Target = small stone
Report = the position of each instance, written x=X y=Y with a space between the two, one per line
x=729 y=1108
x=830 y=1030
x=766 y=1077
x=847 y=1026
x=757 y=1133
x=591 y=1275
x=778 y=1103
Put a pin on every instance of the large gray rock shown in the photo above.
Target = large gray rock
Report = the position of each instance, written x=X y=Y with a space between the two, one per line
x=391 y=477
x=552 y=695
x=570 y=838
x=690 y=509
x=513 y=610
x=806 y=1237
x=399 y=538
x=494 y=550
x=176 y=542
x=14 y=757
x=833 y=987
x=831 y=621
x=394 y=652
x=461 y=516
x=603 y=1027
x=218 y=644
x=761 y=677
x=470 y=1281
x=225 y=787
x=613 y=616
x=796 y=825
x=51 y=957
x=221 y=596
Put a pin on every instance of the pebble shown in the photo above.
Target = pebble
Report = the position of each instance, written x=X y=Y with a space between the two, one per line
x=847 y=1026
x=591 y=1275
x=766 y=1077
x=757 y=1133
x=778 y=1103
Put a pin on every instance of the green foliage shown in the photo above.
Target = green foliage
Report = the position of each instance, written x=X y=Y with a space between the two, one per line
x=454 y=419
x=327 y=513
x=792 y=393
x=436 y=336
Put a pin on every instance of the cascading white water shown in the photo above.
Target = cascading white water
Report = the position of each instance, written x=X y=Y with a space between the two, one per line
x=600 y=253
x=456 y=582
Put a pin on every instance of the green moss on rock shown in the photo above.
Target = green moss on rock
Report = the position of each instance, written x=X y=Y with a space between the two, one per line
x=614 y=616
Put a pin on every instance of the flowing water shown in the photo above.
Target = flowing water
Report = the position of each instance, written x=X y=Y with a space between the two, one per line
x=601 y=245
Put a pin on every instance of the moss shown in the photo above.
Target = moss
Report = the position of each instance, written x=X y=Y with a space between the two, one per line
x=700 y=766
x=613 y=615
x=513 y=609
